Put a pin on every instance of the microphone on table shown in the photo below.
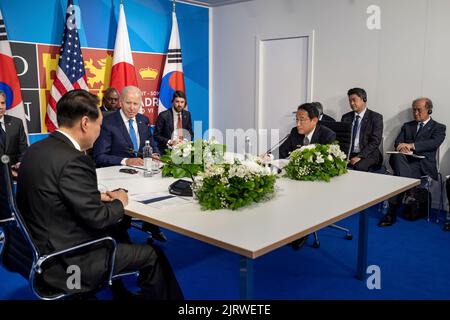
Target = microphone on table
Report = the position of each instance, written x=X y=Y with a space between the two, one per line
x=273 y=148
x=278 y=144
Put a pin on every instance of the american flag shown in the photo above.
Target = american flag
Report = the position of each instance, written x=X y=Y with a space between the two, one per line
x=70 y=73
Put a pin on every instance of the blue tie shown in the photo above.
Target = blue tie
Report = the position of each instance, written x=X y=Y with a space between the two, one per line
x=133 y=136
x=420 y=128
x=355 y=131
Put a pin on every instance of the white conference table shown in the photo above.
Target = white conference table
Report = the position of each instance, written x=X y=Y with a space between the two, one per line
x=298 y=209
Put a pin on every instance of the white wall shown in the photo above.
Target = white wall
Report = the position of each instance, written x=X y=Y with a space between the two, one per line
x=409 y=57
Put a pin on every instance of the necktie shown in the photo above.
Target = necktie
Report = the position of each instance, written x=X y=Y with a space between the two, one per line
x=305 y=141
x=180 y=126
x=133 y=136
x=355 y=131
x=420 y=128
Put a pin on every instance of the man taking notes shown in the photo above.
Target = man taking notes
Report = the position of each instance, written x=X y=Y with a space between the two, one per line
x=422 y=137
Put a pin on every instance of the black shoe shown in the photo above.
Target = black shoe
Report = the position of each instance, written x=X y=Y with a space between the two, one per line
x=119 y=292
x=299 y=243
x=387 y=221
x=156 y=232
x=446 y=227
x=159 y=236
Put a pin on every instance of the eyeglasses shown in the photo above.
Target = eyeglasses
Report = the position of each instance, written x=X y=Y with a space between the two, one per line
x=419 y=110
x=302 y=120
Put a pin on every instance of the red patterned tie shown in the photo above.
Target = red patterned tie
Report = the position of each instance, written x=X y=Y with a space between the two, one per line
x=180 y=127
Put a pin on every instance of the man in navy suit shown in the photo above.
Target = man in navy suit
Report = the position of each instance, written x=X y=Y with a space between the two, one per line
x=422 y=137
x=307 y=131
x=13 y=140
x=122 y=138
x=117 y=143
x=367 y=132
x=174 y=124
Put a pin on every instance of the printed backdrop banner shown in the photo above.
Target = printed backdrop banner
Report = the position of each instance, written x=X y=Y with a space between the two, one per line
x=36 y=66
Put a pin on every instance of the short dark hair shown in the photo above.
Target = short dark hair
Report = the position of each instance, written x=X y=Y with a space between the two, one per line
x=311 y=109
x=110 y=90
x=360 y=92
x=179 y=94
x=318 y=106
x=74 y=105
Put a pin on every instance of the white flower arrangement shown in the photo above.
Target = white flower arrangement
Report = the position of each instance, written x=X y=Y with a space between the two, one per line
x=188 y=158
x=233 y=184
x=316 y=162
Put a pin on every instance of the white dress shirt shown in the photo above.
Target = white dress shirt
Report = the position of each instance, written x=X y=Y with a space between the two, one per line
x=361 y=116
x=74 y=142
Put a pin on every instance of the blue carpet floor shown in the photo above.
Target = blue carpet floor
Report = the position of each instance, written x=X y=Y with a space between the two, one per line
x=414 y=259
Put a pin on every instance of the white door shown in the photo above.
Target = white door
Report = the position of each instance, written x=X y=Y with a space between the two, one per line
x=283 y=83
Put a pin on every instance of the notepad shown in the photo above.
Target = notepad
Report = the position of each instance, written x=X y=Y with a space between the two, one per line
x=406 y=154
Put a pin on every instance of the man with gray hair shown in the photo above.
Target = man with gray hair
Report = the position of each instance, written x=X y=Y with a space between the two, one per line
x=122 y=138
x=422 y=138
x=322 y=116
x=124 y=133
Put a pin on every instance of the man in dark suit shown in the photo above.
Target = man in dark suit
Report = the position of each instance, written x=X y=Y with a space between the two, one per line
x=422 y=137
x=174 y=124
x=322 y=116
x=124 y=133
x=110 y=101
x=307 y=131
x=58 y=197
x=122 y=138
x=13 y=140
x=367 y=132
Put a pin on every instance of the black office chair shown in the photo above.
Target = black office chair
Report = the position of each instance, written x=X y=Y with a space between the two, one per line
x=343 y=132
x=20 y=254
x=429 y=182
x=5 y=213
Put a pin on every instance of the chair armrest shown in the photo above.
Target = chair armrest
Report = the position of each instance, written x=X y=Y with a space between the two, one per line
x=37 y=267
x=6 y=220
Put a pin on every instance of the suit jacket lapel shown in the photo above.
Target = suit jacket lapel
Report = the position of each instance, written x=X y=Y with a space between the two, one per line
x=7 y=130
x=142 y=128
x=184 y=118
x=363 y=125
x=170 y=125
x=426 y=128
x=123 y=129
x=2 y=146
x=315 y=136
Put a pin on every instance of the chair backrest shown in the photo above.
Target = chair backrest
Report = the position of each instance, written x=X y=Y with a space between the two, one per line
x=19 y=251
x=6 y=214
x=20 y=254
x=343 y=132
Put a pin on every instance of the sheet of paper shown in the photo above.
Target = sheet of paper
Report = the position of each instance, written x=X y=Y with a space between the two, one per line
x=159 y=199
x=406 y=153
